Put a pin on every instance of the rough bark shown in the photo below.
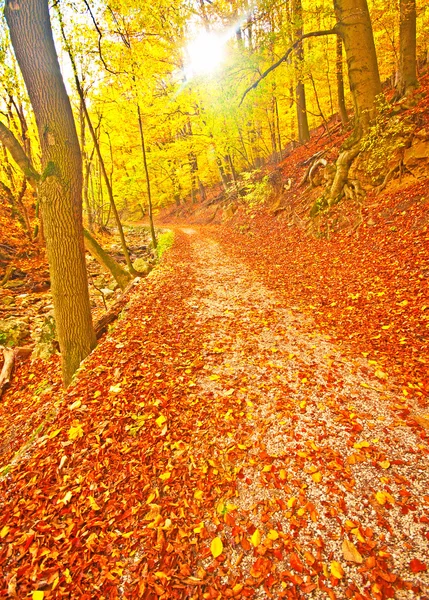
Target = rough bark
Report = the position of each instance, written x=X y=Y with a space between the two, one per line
x=60 y=187
x=407 y=72
x=355 y=29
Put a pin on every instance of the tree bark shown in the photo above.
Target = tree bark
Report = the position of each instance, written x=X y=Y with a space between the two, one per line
x=60 y=187
x=146 y=170
x=407 y=73
x=301 y=104
x=340 y=83
x=355 y=29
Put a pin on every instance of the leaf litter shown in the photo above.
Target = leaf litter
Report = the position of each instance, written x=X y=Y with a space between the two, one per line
x=219 y=446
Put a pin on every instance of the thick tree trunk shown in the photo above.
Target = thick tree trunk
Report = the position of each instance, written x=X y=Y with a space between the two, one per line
x=60 y=188
x=407 y=73
x=355 y=29
x=301 y=104
x=340 y=83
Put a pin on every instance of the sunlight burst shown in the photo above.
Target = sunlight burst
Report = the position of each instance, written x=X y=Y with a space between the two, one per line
x=205 y=54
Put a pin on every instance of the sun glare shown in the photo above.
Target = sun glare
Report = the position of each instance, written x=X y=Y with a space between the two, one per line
x=205 y=54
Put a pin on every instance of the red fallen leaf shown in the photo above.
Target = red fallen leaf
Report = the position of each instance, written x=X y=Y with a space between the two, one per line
x=416 y=566
x=308 y=587
x=295 y=563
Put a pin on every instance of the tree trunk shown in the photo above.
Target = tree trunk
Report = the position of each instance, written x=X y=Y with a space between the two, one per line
x=60 y=188
x=340 y=83
x=355 y=29
x=122 y=277
x=301 y=105
x=407 y=73
x=146 y=170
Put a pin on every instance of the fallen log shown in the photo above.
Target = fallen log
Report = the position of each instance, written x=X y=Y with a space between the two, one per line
x=10 y=355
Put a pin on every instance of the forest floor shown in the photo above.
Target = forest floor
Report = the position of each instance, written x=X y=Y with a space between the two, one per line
x=226 y=439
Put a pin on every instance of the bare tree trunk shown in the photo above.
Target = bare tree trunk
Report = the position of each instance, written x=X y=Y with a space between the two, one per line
x=407 y=73
x=60 y=187
x=146 y=170
x=122 y=277
x=340 y=83
x=301 y=105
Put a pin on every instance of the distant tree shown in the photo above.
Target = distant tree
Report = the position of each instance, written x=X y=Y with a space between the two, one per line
x=60 y=186
x=407 y=71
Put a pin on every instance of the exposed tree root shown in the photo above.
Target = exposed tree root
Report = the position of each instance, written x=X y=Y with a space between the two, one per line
x=10 y=355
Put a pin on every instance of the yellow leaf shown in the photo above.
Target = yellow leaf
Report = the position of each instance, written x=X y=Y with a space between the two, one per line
x=302 y=404
x=365 y=385
x=386 y=326
x=358 y=534
x=242 y=446
x=272 y=535
x=115 y=389
x=165 y=475
x=66 y=499
x=230 y=507
x=237 y=589
x=384 y=464
x=54 y=433
x=4 y=531
x=199 y=528
x=97 y=394
x=67 y=576
x=302 y=453
x=351 y=553
x=229 y=392
x=317 y=477
x=75 y=432
x=363 y=444
x=266 y=469
x=75 y=405
x=214 y=377
x=403 y=303
x=336 y=569
x=93 y=504
x=38 y=595
x=198 y=494
x=216 y=547
x=160 y=420
x=380 y=497
x=291 y=502
x=380 y=374
x=256 y=538
x=283 y=475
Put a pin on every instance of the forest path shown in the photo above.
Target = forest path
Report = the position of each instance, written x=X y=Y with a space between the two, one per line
x=215 y=445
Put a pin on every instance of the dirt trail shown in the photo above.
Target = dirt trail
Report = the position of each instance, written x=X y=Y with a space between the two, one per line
x=215 y=411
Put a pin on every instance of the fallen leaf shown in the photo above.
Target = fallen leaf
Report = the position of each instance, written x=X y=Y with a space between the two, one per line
x=272 y=535
x=75 y=432
x=256 y=538
x=351 y=553
x=417 y=566
x=216 y=547
x=336 y=569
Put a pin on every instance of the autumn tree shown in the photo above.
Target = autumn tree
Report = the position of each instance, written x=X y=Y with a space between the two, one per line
x=60 y=187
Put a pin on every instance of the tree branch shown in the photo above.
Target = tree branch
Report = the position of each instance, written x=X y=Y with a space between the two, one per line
x=285 y=56
x=11 y=143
